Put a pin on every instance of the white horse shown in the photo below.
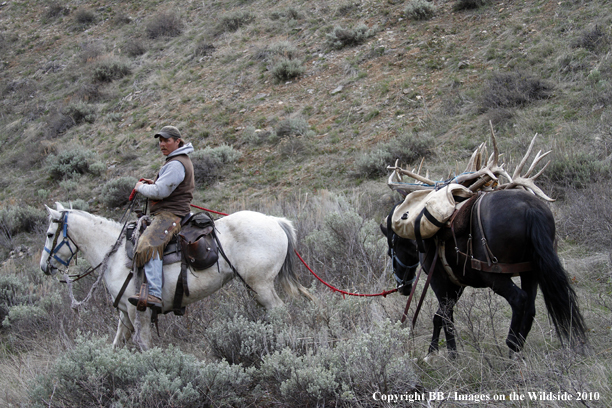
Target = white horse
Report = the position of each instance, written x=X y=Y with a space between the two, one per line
x=260 y=247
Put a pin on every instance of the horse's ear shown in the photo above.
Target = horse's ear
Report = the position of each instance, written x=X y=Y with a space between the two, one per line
x=59 y=206
x=55 y=215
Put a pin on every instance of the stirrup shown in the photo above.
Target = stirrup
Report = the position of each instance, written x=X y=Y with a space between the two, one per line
x=141 y=306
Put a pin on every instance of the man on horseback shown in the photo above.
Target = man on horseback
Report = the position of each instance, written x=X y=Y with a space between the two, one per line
x=169 y=196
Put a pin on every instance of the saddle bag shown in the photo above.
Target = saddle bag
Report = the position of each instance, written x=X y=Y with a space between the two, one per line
x=424 y=212
x=197 y=242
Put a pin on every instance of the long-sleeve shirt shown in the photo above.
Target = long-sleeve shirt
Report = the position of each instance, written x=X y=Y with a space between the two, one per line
x=170 y=176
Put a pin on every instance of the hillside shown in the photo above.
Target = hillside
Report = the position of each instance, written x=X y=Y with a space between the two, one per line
x=296 y=108
x=104 y=75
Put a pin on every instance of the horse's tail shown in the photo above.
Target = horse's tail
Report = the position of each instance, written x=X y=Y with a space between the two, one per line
x=559 y=296
x=287 y=276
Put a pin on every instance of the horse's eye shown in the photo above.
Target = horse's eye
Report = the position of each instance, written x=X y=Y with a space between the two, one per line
x=50 y=235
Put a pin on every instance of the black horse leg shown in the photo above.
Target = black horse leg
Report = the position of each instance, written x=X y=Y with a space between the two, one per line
x=517 y=298
x=444 y=319
x=530 y=285
x=437 y=327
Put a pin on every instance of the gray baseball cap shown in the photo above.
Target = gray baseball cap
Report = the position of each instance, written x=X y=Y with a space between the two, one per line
x=169 y=132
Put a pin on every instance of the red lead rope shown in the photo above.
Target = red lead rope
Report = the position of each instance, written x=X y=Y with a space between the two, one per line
x=384 y=293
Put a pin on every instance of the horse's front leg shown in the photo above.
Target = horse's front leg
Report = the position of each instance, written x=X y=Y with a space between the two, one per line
x=444 y=318
x=142 y=327
x=124 y=330
x=437 y=328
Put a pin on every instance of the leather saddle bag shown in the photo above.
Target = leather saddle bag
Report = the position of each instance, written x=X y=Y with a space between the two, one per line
x=197 y=242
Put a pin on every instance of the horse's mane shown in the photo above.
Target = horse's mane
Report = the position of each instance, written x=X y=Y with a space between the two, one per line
x=86 y=214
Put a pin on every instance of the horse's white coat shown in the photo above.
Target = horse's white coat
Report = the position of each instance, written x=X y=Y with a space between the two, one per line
x=256 y=244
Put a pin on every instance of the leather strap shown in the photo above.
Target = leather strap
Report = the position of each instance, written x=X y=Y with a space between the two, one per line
x=414 y=285
x=511 y=268
x=424 y=293
x=181 y=288
x=417 y=227
x=123 y=288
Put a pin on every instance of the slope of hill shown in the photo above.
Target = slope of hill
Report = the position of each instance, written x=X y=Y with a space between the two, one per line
x=304 y=91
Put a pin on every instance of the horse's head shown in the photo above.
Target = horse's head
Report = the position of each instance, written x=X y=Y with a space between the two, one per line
x=404 y=256
x=59 y=247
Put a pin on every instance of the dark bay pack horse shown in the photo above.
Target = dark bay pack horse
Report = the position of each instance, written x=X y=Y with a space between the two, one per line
x=512 y=230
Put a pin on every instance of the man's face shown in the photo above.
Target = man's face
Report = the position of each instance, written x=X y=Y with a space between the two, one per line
x=169 y=145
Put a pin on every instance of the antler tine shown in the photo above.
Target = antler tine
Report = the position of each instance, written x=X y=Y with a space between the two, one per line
x=519 y=168
x=530 y=185
x=494 y=141
x=475 y=162
x=398 y=172
x=541 y=170
x=537 y=159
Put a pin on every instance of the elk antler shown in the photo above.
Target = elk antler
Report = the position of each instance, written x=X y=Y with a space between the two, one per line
x=396 y=180
x=477 y=175
x=525 y=181
x=483 y=175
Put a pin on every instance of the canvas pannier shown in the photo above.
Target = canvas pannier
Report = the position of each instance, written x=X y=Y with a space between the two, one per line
x=431 y=208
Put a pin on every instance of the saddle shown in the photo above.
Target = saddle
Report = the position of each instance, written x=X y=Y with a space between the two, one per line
x=195 y=247
x=195 y=244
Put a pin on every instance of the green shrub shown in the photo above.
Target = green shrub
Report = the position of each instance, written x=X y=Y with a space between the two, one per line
x=206 y=169
x=240 y=341
x=116 y=192
x=285 y=69
x=72 y=163
x=11 y=292
x=348 y=37
x=81 y=112
x=78 y=204
x=576 y=170
x=306 y=380
x=348 y=373
x=278 y=49
x=208 y=162
x=349 y=242
x=420 y=10
x=164 y=25
x=111 y=69
x=84 y=17
x=594 y=40
x=233 y=21
x=224 y=154
x=57 y=123
x=513 y=89
x=54 y=10
x=16 y=219
x=469 y=4
x=297 y=126
x=407 y=149
x=134 y=47
x=203 y=49
x=154 y=378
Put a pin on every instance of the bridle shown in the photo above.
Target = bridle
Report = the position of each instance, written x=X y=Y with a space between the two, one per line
x=70 y=244
x=392 y=238
x=66 y=240
x=397 y=263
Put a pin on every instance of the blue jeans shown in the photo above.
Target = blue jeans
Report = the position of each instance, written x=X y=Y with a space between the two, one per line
x=153 y=270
